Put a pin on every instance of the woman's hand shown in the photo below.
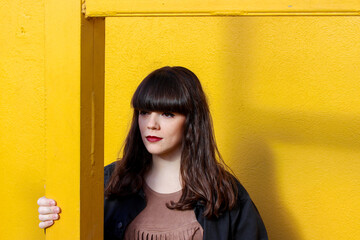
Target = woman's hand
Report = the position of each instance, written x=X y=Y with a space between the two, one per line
x=48 y=212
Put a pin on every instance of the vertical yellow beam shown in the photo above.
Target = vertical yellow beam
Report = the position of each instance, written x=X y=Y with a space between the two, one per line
x=74 y=119
x=92 y=128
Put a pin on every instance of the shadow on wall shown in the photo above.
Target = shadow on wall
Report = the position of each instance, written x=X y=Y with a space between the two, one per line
x=256 y=169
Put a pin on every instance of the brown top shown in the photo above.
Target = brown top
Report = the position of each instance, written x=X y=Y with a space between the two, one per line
x=156 y=221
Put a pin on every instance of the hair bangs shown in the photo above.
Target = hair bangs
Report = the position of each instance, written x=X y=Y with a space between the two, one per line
x=162 y=91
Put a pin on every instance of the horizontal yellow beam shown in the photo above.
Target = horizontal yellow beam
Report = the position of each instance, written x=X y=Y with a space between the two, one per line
x=118 y=8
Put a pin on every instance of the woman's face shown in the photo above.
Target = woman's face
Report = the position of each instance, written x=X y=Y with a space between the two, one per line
x=162 y=132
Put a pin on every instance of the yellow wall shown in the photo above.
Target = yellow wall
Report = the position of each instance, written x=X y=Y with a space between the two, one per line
x=284 y=93
x=22 y=174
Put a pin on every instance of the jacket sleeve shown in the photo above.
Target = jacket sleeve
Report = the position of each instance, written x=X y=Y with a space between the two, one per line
x=246 y=222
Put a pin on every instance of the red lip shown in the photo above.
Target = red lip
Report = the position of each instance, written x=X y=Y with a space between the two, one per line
x=153 y=138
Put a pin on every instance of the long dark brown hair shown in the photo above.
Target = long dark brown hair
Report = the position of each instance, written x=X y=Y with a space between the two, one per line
x=205 y=179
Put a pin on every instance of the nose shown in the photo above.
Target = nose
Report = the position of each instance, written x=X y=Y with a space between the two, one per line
x=153 y=122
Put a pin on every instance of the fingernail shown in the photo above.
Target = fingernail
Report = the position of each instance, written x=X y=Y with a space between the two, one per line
x=52 y=202
x=55 y=216
x=56 y=210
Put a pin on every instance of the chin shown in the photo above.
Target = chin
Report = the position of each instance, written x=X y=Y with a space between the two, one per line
x=153 y=151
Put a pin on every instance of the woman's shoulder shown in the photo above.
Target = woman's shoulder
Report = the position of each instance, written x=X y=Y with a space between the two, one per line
x=239 y=189
x=243 y=199
x=247 y=216
x=242 y=194
x=108 y=169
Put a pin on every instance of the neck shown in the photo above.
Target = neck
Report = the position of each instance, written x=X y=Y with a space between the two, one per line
x=164 y=174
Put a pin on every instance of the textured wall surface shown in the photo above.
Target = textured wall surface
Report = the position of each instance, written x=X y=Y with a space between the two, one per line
x=284 y=93
x=22 y=174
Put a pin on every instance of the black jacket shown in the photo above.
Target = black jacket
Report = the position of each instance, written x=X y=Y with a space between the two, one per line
x=241 y=223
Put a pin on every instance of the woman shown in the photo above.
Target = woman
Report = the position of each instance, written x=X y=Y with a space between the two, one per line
x=171 y=182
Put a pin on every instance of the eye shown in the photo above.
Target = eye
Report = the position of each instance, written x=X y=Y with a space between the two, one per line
x=168 y=114
x=142 y=112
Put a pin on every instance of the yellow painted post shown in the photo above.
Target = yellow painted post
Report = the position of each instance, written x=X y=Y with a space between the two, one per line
x=92 y=128
x=74 y=62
